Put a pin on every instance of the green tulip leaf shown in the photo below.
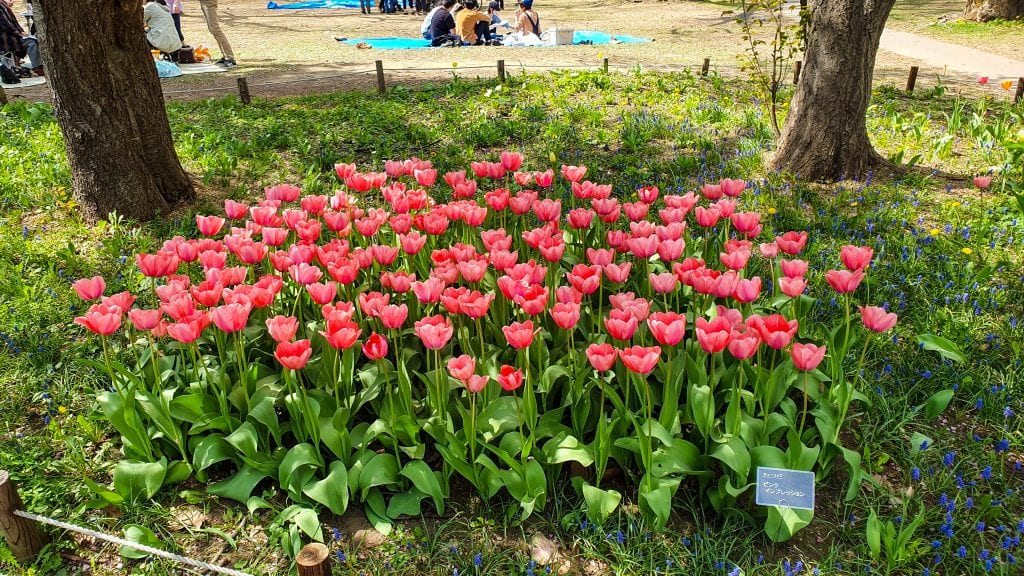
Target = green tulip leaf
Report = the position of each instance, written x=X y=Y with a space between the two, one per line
x=332 y=491
x=139 y=535
x=381 y=470
x=782 y=523
x=426 y=481
x=133 y=479
x=240 y=486
x=936 y=404
x=600 y=503
x=566 y=448
x=944 y=347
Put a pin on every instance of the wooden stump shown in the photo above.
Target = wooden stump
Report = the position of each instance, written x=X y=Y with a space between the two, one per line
x=23 y=537
x=313 y=560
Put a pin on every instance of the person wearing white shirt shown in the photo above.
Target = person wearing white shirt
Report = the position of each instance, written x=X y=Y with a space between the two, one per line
x=160 y=30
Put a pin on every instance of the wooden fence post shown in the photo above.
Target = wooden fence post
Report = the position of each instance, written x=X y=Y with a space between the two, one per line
x=796 y=71
x=704 y=68
x=243 y=91
x=23 y=538
x=3 y=96
x=1020 y=90
x=382 y=88
x=313 y=560
x=501 y=70
x=604 y=65
x=912 y=79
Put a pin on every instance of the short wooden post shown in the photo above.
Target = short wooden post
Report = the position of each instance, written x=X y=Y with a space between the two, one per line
x=382 y=88
x=23 y=538
x=1016 y=95
x=912 y=79
x=604 y=65
x=243 y=91
x=3 y=96
x=796 y=71
x=705 y=67
x=501 y=70
x=313 y=560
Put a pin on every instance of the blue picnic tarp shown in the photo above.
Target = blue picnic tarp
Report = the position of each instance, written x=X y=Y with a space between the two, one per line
x=313 y=4
x=579 y=37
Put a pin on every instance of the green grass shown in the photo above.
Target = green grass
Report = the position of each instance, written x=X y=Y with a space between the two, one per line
x=949 y=262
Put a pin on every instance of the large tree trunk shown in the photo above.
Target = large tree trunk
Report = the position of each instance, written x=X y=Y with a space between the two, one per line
x=825 y=134
x=985 y=10
x=110 y=107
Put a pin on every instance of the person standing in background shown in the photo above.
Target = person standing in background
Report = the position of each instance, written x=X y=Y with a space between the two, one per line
x=209 y=8
x=177 y=7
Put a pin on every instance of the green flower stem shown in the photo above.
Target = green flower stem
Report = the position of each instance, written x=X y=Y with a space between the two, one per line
x=243 y=369
x=152 y=361
x=519 y=419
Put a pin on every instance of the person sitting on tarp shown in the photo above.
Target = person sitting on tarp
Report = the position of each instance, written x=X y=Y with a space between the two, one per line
x=442 y=26
x=472 y=25
x=496 y=20
x=527 y=21
x=425 y=27
x=160 y=31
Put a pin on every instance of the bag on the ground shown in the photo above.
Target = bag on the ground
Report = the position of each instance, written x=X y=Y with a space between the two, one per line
x=186 y=55
x=8 y=76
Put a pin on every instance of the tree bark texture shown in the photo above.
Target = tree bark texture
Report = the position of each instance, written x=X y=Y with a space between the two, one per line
x=110 y=107
x=825 y=133
x=985 y=10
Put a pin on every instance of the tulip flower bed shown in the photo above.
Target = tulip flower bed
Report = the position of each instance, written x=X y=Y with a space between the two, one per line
x=504 y=329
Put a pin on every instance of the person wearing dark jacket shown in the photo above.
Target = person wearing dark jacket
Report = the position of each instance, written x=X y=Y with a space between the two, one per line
x=14 y=40
x=442 y=26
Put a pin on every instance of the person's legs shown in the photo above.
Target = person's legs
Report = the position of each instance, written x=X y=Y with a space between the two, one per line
x=210 y=13
x=177 y=26
x=483 y=32
x=31 y=46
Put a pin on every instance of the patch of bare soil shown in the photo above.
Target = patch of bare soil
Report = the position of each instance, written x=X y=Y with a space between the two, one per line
x=290 y=52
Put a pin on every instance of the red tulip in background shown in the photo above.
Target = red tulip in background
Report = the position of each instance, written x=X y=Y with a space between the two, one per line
x=775 y=330
x=982 y=182
x=806 y=357
x=793 y=268
x=376 y=347
x=101 y=319
x=89 y=288
x=620 y=324
x=566 y=314
x=510 y=378
x=601 y=356
x=144 y=319
x=792 y=243
x=844 y=281
x=668 y=328
x=744 y=343
x=877 y=319
x=574 y=173
x=231 y=317
x=282 y=328
x=341 y=333
x=856 y=257
x=434 y=331
x=293 y=355
x=792 y=287
x=461 y=367
x=714 y=335
x=209 y=225
x=475 y=383
x=519 y=334
x=640 y=359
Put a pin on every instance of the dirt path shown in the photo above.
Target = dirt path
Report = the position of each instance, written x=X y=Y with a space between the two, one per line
x=284 y=52
x=955 y=57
